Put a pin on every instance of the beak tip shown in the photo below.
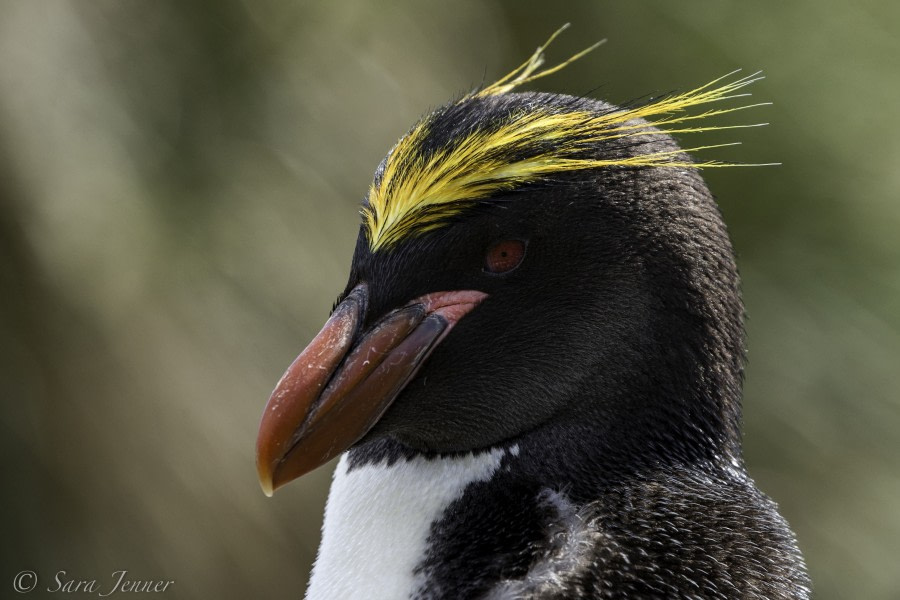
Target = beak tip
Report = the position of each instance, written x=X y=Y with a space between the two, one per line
x=266 y=479
x=267 y=486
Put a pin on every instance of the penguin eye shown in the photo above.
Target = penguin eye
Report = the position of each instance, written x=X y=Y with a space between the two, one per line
x=504 y=256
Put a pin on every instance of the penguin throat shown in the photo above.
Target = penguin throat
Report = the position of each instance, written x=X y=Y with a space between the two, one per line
x=379 y=518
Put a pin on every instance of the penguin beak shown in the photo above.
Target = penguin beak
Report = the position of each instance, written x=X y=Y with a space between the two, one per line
x=344 y=381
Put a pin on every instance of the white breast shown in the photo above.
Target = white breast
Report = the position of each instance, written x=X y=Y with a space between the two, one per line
x=378 y=520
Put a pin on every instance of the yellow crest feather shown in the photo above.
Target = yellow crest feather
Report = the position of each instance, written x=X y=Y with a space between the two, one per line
x=418 y=191
x=526 y=71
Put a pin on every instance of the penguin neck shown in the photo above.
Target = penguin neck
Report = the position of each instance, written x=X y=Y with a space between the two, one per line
x=685 y=413
x=384 y=502
x=400 y=521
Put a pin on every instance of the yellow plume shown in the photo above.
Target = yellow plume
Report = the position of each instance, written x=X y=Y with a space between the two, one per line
x=419 y=191
x=526 y=71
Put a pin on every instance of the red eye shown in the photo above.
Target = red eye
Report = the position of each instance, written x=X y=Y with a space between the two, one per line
x=504 y=256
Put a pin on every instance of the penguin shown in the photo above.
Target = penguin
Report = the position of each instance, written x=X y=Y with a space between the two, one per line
x=533 y=377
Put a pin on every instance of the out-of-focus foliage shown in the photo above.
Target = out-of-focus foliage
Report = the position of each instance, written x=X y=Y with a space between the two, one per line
x=179 y=184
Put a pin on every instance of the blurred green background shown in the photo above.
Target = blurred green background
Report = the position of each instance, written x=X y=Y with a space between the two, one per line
x=179 y=183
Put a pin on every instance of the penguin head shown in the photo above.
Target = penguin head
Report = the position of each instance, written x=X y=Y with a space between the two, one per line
x=524 y=259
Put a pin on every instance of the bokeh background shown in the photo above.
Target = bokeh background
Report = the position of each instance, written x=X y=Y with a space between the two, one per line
x=179 y=183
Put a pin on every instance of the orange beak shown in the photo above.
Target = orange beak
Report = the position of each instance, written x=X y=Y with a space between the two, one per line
x=343 y=382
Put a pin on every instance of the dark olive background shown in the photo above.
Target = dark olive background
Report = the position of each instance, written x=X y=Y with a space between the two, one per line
x=179 y=183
